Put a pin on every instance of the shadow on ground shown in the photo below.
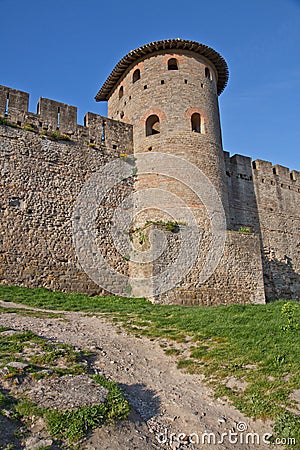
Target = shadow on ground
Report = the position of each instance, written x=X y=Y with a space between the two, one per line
x=9 y=428
x=145 y=401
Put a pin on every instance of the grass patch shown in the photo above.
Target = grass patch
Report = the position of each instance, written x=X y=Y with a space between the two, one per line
x=56 y=135
x=39 y=354
x=44 y=359
x=29 y=127
x=31 y=313
x=71 y=426
x=256 y=344
x=172 y=351
x=8 y=123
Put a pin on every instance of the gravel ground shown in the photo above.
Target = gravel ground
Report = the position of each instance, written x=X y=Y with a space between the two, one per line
x=165 y=401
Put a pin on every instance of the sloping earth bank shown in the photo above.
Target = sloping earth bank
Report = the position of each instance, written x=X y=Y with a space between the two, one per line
x=166 y=402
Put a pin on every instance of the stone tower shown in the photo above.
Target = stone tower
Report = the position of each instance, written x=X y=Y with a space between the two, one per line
x=168 y=90
x=162 y=106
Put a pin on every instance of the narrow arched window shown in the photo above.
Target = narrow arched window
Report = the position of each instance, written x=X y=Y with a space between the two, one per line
x=207 y=73
x=121 y=92
x=196 y=122
x=172 y=64
x=136 y=75
x=152 y=125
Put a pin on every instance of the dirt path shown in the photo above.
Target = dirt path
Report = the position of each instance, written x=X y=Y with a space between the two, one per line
x=165 y=400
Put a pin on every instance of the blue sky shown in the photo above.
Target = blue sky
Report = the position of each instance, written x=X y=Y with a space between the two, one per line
x=65 y=50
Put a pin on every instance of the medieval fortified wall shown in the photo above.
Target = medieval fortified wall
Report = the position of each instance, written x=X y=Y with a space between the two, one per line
x=162 y=97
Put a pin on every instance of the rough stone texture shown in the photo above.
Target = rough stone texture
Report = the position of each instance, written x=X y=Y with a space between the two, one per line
x=11 y=98
x=66 y=392
x=266 y=198
x=174 y=95
x=237 y=279
x=40 y=182
x=41 y=179
x=185 y=91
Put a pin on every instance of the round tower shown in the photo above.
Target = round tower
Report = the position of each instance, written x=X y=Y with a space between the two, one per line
x=168 y=90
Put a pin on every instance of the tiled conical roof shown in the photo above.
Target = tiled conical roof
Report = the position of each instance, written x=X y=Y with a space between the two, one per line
x=168 y=44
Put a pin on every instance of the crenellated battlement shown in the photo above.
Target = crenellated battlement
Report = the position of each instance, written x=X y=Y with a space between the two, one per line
x=47 y=157
x=244 y=168
x=53 y=116
x=11 y=98
x=277 y=173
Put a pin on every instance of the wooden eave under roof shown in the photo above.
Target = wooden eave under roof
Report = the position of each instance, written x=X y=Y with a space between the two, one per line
x=169 y=44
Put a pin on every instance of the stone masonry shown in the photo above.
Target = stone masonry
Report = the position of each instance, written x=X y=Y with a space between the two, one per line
x=162 y=98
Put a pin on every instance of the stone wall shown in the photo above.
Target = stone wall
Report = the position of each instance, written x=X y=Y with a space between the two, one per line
x=47 y=157
x=278 y=198
x=237 y=279
x=266 y=199
x=42 y=175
